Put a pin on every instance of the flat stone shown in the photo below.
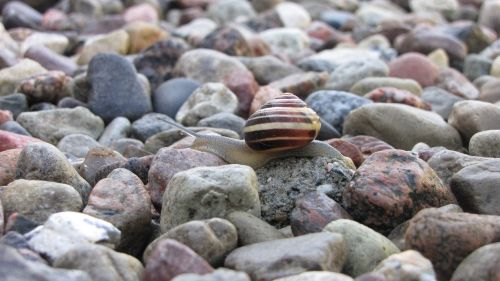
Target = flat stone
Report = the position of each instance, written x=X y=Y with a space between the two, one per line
x=53 y=125
x=402 y=126
x=37 y=200
x=252 y=229
x=479 y=265
x=207 y=192
x=369 y=84
x=279 y=258
x=486 y=117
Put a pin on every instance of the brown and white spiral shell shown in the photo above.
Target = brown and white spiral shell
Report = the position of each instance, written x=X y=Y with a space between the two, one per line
x=281 y=124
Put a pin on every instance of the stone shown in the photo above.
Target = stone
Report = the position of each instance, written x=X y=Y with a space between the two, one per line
x=65 y=231
x=53 y=125
x=77 y=145
x=475 y=188
x=211 y=66
x=313 y=212
x=301 y=84
x=15 y=103
x=141 y=12
x=448 y=8
x=348 y=149
x=13 y=266
x=443 y=230
x=252 y=229
x=129 y=147
x=116 y=42
x=495 y=68
x=220 y=274
x=101 y=263
x=317 y=276
x=171 y=95
x=168 y=162
x=205 y=101
x=10 y=140
x=414 y=66
x=293 y=15
x=55 y=42
x=212 y=239
x=207 y=192
x=279 y=258
x=334 y=106
x=8 y=163
x=486 y=117
x=95 y=159
x=143 y=35
x=489 y=90
x=11 y=77
x=488 y=14
x=365 y=247
x=394 y=95
x=122 y=200
x=37 y=200
x=19 y=14
x=170 y=258
x=51 y=60
x=157 y=62
x=42 y=161
x=440 y=58
x=116 y=129
x=137 y=165
x=401 y=126
x=227 y=40
x=407 y=265
x=280 y=184
x=50 y=86
x=476 y=65
x=485 y=144
x=43 y=106
x=370 y=84
x=441 y=101
x=390 y=187
x=287 y=41
x=5 y=116
x=226 y=11
x=456 y=83
x=194 y=31
x=347 y=73
x=104 y=72
x=224 y=120
x=267 y=69
x=14 y=127
x=367 y=144
x=481 y=265
x=150 y=124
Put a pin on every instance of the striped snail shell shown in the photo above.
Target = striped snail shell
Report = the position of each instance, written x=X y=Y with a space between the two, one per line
x=282 y=123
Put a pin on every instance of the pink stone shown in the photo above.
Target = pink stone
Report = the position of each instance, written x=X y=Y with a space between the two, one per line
x=5 y=115
x=414 y=66
x=262 y=96
x=8 y=163
x=10 y=140
x=348 y=149
x=51 y=18
x=141 y=12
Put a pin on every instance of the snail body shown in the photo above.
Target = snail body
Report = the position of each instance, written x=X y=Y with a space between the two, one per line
x=283 y=127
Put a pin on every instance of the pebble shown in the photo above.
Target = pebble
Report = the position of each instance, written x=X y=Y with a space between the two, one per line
x=52 y=41
x=8 y=163
x=194 y=31
x=65 y=231
x=145 y=12
x=348 y=149
x=301 y=84
x=205 y=101
x=5 y=116
x=441 y=101
x=171 y=95
x=95 y=159
x=476 y=66
x=487 y=14
x=279 y=258
x=15 y=103
x=53 y=125
x=142 y=35
x=456 y=83
x=227 y=40
x=313 y=212
x=128 y=147
x=334 y=106
x=486 y=117
x=219 y=191
x=365 y=247
x=347 y=73
x=485 y=144
x=287 y=41
x=470 y=231
x=252 y=229
x=149 y=125
x=115 y=130
x=169 y=258
x=19 y=14
x=267 y=69
x=37 y=200
x=101 y=263
x=407 y=265
x=11 y=77
x=369 y=84
x=77 y=145
x=479 y=265
x=122 y=200
x=394 y=95
x=134 y=101
x=400 y=132
x=224 y=120
x=32 y=165
x=221 y=274
x=489 y=90
x=316 y=276
x=10 y=140
x=212 y=239
x=367 y=144
x=116 y=42
x=414 y=66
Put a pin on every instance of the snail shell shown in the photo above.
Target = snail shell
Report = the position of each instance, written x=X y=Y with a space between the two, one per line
x=281 y=124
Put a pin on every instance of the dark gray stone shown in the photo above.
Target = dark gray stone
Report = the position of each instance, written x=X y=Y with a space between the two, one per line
x=14 y=127
x=150 y=124
x=16 y=103
x=441 y=101
x=172 y=94
x=18 y=14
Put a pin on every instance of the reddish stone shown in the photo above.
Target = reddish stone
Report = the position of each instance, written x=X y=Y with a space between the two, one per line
x=313 y=212
x=141 y=12
x=448 y=238
x=8 y=163
x=327 y=34
x=391 y=187
x=394 y=95
x=227 y=40
x=368 y=144
x=50 y=86
x=5 y=115
x=243 y=84
x=170 y=258
x=348 y=149
x=414 y=66
x=262 y=96
x=10 y=140
x=301 y=84
x=168 y=161
x=52 y=18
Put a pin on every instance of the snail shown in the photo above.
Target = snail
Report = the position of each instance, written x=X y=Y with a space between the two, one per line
x=282 y=127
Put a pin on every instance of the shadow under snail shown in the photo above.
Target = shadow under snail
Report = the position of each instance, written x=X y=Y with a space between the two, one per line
x=282 y=127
